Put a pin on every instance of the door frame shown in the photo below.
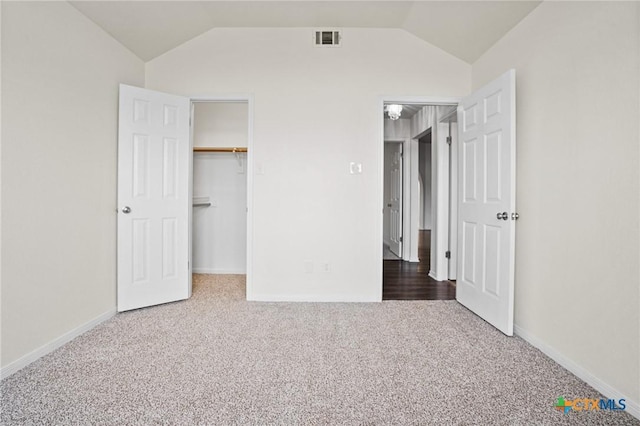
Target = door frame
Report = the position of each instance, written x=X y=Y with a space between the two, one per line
x=249 y=99
x=406 y=196
x=449 y=125
x=441 y=228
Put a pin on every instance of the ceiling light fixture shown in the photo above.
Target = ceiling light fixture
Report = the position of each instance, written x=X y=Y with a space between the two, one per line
x=394 y=111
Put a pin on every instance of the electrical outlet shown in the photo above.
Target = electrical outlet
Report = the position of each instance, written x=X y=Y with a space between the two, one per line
x=324 y=267
x=308 y=266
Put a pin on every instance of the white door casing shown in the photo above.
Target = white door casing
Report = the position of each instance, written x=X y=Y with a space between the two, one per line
x=395 y=201
x=153 y=187
x=486 y=178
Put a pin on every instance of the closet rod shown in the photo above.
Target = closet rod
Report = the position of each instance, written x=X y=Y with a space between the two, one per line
x=208 y=149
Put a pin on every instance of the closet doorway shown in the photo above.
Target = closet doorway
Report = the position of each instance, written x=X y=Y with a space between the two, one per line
x=220 y=138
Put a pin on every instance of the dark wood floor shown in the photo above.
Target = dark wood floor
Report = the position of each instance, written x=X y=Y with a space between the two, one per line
x=411 y=280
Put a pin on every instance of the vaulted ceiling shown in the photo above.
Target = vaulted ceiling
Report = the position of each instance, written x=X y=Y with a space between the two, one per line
x=465 y=29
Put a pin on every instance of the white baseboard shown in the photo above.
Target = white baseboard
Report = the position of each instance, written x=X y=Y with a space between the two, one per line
x=325 y=298
x=633 y=407
x=437 y=278
x=219 y=271
x=43 y=350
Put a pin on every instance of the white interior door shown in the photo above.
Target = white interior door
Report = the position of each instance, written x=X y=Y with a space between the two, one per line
x=395 y=201
x=153 y=198
x=486 y=202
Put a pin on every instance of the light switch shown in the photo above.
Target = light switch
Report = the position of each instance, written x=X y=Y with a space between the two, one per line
x=308 y=266
x=355 y=168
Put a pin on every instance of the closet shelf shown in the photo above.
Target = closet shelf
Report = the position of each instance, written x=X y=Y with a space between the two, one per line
x=212 y=149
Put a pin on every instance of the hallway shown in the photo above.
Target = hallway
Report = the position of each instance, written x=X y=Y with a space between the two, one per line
x=411 y=281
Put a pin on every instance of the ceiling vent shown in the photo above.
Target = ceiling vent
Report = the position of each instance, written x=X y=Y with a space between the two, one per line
x=327 y=38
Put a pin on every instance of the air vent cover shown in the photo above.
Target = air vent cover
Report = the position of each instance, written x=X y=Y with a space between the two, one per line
x=327 y=38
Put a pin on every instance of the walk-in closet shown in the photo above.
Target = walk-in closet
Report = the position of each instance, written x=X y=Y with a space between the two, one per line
x=219 y=236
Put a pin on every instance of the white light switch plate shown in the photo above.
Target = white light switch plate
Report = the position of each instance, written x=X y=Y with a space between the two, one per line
x=355 y=168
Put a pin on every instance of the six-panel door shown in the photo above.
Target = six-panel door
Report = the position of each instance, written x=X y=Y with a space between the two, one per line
x=486 y=201
x=153 y=191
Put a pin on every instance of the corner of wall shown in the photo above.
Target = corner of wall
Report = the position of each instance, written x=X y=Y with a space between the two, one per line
x=558 y=128
x=76 y=103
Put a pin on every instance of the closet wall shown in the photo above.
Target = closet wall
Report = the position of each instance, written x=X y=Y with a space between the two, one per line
x=220 y=178
x=424 y=164
x=221 y=124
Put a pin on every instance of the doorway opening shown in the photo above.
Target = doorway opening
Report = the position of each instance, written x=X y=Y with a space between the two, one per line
x=417 y=249
x=220 y=139
x=393 y=233
x=473 y=165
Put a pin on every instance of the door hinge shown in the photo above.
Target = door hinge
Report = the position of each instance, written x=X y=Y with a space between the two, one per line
x=400 y=239
x=449 y=140
x=447 y=254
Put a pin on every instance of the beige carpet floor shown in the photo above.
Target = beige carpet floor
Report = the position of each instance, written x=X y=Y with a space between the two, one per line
x=216 y=359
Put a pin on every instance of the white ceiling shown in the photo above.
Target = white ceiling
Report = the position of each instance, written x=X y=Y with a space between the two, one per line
x=465 y=29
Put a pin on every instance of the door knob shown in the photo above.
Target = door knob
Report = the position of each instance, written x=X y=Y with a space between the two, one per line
x=126 y=209
x=503 y=216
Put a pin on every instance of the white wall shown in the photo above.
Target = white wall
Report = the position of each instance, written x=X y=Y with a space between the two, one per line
x=316 y=110
x=221 y=124
x=422 y=121
x=577 y=245
x=220 y=230
x=0 y=185
x=425 y=174
x=397 y=130
x=60 y=76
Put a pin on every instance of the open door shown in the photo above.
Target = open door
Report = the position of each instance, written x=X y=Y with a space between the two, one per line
x=486 y=202
x=395 y=201
x=153 y=198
